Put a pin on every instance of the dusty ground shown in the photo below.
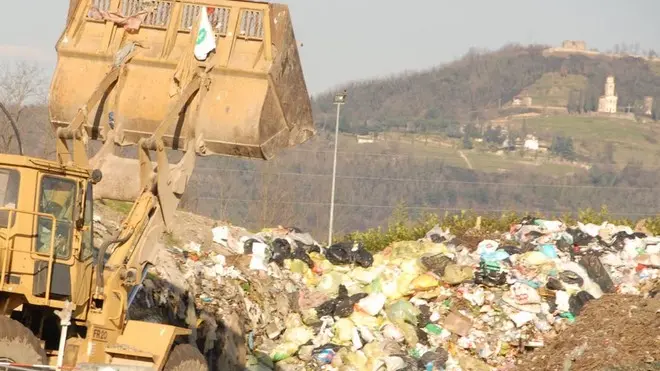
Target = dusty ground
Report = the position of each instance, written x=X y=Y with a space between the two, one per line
x=187 y=227
x=615 y=333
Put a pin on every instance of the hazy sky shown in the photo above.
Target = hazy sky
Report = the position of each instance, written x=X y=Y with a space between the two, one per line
x=357 y=39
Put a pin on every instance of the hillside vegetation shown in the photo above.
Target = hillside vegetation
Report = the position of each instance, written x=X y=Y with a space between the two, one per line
x=475 y=86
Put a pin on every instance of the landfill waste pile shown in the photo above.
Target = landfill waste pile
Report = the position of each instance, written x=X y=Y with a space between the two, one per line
x=279 y=300
x=617 y=332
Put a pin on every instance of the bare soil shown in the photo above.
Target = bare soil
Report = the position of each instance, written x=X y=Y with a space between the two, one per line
x=614 y=333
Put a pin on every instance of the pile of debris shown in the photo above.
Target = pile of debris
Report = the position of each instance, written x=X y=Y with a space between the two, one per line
x=279 y=300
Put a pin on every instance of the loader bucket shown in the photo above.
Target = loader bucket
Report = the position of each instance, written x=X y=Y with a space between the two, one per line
x=257 y=100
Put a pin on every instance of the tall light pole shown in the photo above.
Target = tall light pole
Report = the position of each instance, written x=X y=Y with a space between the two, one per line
x=340 y=99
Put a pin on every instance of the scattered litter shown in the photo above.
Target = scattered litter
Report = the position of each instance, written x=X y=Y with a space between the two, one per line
x=432 y=304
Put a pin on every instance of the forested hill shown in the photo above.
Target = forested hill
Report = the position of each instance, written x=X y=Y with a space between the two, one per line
x=476 y=85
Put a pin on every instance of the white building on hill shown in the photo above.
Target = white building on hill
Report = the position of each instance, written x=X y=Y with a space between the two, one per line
x=608 y=102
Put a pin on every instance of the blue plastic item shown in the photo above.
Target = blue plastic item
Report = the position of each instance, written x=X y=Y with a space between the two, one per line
x=548 y=250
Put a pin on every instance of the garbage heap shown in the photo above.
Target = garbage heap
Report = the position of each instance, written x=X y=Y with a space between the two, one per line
x=279 y=300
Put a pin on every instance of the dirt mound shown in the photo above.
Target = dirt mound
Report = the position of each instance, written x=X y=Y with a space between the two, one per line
x=615 y=333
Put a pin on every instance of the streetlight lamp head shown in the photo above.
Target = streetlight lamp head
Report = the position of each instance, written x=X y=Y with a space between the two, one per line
x=340 y=98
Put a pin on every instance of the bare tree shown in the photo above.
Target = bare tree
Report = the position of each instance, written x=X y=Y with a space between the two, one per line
x=22 y=85
x=276 y=205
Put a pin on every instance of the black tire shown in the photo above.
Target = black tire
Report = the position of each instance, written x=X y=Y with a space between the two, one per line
x=185 y=357
x=19 y=345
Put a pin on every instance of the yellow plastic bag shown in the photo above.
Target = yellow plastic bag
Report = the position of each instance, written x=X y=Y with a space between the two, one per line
x=298 y=335
x=424 y=282
x=363 y=319
x=344 y=331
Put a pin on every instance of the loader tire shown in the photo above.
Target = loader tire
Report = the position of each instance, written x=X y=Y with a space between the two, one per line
x=19 y=345
x=185 y=357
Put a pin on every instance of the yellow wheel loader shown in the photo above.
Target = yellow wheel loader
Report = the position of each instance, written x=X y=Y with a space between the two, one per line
x=144 y=74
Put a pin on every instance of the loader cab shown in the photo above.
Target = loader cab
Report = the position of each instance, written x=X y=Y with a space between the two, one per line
x=46 y=237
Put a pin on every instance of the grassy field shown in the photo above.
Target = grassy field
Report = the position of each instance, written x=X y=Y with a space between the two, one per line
x=655 y=67
x=479 y=160
x=554 y=90
x=631 y=140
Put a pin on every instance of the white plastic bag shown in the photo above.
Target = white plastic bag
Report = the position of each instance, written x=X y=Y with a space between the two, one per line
x=372 y=304
x=258 y=261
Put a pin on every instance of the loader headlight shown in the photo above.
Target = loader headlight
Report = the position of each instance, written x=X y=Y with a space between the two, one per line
x=97 y=175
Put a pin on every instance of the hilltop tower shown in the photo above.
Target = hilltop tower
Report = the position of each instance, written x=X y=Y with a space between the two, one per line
x=608 y=102
x=648 y=106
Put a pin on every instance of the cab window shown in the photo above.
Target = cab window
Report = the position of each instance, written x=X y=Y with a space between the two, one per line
x=57 y=198
x=9 y=182
x=88 y=233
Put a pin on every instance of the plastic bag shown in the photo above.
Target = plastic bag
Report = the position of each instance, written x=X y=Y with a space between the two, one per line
x=533 y=258
x=341 y=306
x=281 y=250
x=498 y=255
x=402 y=311
x=259 y=253
x=361 y=319
x=409 y=334
x=455 y=274
x=598 y=273
x=424 y=282
x=349 y=253
x=344 y=331
x=390 y=331
x=433 y=360
x=487 y=246
x=298 y=335
x=436 y=263
x=283 y=351
x=548 y=250
x=364 y=276
x=372 y=304
x=330 y=283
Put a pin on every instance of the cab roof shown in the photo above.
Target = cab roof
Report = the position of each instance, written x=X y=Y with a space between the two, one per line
x=46 y=166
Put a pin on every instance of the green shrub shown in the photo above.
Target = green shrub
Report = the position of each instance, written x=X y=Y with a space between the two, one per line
x=402 y=228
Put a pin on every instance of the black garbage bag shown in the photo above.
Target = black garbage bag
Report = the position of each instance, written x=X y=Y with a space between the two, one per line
x=344 y=305
x=349 y=253
x=488 y=276
x=619 y=239
x=422 y=336
x=341 y=306
x=564 y=246
x=571 y=278
x=301 y=254
x=554 y=284
x=436 y=238
x=528 y=220
x=436 y=263
x=598 y=273
x=511 y=250
x=424 y=317
x=577 y=301
x=579 y=238
x=363 y=258
x=533 y=234
x=339 y=254
x=281 y=251
x=247 y=245
x=437 y=359
x=552 y=306
x=308 y=248
x=326 y=309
